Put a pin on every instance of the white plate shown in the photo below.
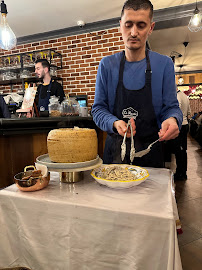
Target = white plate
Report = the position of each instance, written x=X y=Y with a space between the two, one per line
x=121 y=184
x=44 y=159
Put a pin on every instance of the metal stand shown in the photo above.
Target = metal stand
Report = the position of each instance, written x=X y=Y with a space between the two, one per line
x=69 y=172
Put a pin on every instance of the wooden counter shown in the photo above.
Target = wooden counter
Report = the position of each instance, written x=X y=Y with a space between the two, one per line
x=23 y=140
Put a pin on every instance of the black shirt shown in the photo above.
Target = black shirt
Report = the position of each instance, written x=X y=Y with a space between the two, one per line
x=56 y=90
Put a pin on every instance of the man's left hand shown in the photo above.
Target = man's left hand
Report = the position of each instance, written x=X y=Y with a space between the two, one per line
x=169 y=129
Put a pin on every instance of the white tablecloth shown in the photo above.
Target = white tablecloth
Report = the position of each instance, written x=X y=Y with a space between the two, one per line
x=85 y=226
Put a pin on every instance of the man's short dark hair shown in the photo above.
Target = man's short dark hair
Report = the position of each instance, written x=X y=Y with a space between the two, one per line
x=44 y=63
x=138 y=4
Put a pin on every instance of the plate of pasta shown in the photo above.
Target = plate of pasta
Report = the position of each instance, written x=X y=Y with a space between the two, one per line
x=119 y=176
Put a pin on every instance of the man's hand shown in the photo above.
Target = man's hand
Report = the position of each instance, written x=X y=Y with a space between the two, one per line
x=169 y=129
x=121 y=127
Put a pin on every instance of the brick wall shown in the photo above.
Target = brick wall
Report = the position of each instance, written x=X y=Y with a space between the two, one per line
x=81 y=55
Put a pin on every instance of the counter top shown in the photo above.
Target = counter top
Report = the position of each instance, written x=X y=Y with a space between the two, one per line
x=42 y=124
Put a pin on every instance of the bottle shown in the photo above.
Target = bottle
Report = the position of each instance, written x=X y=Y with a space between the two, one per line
x=26 y=85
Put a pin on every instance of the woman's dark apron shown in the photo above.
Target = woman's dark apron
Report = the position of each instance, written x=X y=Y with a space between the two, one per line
x=43 y=102
x=146 y=123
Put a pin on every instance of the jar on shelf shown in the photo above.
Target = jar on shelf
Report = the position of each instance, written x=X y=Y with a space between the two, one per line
x=54 y=106
x=53 y=71
x=70 y=106
x=25 y=74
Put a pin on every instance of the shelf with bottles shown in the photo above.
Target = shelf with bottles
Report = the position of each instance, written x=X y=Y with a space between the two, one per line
x=53 y=57
x=21 y=66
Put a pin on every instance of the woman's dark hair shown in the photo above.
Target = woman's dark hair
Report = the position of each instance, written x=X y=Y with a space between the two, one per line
x=138 y=4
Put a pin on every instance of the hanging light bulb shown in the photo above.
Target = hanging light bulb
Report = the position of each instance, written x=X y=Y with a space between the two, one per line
x=195 y=23
x=7 y=37
x=180 y=80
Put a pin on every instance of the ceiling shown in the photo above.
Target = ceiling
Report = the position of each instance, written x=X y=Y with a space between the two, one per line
x=169 y=41
x=30 y=17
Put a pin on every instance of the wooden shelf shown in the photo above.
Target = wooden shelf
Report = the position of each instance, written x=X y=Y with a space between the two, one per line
x=19 y=80
x=22 y=66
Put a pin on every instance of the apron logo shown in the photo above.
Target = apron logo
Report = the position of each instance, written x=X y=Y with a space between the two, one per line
x=42 y=109
x=130 y=113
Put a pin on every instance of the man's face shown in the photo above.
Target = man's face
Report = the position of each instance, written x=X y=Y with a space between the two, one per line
x=135 y=27
x=40 y=71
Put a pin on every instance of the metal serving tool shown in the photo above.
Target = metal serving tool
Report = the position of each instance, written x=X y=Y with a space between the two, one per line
x=132 y=148
x=123 y=145
x=147 y=150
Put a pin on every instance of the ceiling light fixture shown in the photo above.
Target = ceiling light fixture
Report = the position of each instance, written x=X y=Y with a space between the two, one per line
x=195 y=23
x=180 y=80
x=7 y=37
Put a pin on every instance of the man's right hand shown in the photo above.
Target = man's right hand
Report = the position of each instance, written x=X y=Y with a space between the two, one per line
x=121 y=127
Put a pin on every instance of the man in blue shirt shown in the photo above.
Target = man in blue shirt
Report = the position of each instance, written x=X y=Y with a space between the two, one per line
x=139 y=85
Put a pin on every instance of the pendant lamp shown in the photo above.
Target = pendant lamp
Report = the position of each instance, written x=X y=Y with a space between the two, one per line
x=7 y=37
x=180 y=80
x=195 y=23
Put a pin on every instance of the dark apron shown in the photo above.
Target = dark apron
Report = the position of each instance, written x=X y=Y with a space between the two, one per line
x=146 y=123
x=43 y=102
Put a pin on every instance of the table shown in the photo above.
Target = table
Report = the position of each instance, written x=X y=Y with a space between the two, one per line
x=86 y=226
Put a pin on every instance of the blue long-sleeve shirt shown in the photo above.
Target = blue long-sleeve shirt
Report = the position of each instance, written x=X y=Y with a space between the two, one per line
x=164 y=97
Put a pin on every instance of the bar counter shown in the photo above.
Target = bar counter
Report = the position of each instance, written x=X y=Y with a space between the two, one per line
x=17 y=126
x=22 y=140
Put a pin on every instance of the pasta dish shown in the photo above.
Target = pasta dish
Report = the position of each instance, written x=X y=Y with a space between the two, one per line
x=116 y=173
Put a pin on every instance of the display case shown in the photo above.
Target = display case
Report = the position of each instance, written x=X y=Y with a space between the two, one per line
x=19 y=68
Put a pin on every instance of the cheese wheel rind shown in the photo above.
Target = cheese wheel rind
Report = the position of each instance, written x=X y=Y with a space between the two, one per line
x=70 y=145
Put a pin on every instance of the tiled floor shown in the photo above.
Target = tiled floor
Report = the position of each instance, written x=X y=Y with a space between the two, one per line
x=189 y=202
